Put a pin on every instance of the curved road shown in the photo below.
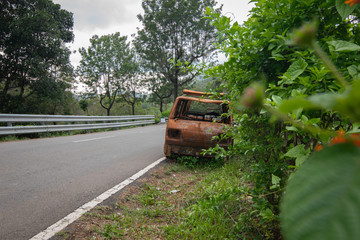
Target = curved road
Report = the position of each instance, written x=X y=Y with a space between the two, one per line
x=43 y=180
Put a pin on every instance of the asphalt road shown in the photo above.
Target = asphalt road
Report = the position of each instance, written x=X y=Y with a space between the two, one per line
x=43 y=180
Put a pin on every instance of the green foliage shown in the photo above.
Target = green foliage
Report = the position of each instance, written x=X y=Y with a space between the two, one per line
x=149 y=195
x=214 y=211
x=166 y=113
x=35 y=70
x=343 y=46
x=83 y=105
x=174 y=37
x=325 y=188
x=344 y=9
x=313 y=96
x=294 y=71
x=321 y=200
x=112 y=231
x=105 y=66
x=299 y=152
x=345 y=103
x=192 y=162
x=160 y=89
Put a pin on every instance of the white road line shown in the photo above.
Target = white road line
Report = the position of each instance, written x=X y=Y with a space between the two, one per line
x=63 y=223
x=92 y=139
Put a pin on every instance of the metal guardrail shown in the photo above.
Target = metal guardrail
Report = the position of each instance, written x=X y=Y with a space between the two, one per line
x=32 y=122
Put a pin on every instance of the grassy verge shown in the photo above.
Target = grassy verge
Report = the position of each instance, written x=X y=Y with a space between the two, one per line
x=187 y=199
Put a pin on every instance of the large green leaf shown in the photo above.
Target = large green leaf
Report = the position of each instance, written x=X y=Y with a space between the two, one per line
x=324 y=100
x=300 y=153
x=343 y=46
x=322 y=199
x=289 y=105
x=354 y=71
x=297 y=151
x=344 y=9
x=349 y=101
x=296 y=68
x=277 y=100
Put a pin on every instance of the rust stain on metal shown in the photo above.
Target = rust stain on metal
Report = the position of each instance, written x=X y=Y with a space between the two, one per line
x=193 y=122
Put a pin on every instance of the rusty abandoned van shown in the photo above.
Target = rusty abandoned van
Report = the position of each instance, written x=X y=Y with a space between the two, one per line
x=193 y=122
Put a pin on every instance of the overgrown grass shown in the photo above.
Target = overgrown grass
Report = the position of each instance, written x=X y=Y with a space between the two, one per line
x=195 y=198
x=216 y=211
x=196 y=163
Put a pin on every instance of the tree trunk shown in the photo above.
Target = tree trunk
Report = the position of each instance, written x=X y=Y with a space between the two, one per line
x=161 y=105
x=176 y=89
x=108 y=111
x=133 y=108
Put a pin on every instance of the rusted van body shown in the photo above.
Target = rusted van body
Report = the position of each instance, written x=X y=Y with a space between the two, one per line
x=193 y=122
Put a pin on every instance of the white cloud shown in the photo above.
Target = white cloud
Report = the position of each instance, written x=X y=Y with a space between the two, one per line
x=110 y=16
x=90 y=15
x=236 y=9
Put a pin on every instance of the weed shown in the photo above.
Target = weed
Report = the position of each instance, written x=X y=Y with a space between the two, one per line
x=149 y=195
x=64 y=235
x=112 y=231
x=192 y=162
x=213 y=207
x=212 y=211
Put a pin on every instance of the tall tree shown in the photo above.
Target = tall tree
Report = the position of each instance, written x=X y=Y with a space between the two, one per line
x=132 y=83
x=161 y=90
x=104 y=65
x=175 y=36
x=33 y=34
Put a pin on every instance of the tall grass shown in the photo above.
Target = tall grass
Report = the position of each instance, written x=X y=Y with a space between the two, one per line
x=218 y=208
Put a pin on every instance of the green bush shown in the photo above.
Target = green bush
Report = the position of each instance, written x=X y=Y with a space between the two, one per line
x=166 y=113
x=306 y=100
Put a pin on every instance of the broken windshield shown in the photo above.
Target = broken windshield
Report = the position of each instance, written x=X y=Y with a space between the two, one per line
x=201 y=111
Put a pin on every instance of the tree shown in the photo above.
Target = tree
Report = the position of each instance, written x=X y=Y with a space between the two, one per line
x=84 y=105
x=175 y=36
x=163 y=93
x=32 y=52
x=104 y=65
x=131 y=83
x=160 y=89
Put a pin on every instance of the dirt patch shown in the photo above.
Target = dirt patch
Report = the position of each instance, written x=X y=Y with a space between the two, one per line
x=142 y=210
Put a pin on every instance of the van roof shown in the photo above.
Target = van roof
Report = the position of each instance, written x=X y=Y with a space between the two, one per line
x=203 y=100
x=201 y=94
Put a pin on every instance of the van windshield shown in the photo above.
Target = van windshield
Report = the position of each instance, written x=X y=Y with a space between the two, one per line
x=202 y=111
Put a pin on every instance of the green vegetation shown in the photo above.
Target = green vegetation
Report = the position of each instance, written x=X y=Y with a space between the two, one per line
x=219 y=208
x=174 y=38
x=116 y=72
x=293 y=79
x=194 y=198
x=291 y=91
x=35 y=71
x=108 y=68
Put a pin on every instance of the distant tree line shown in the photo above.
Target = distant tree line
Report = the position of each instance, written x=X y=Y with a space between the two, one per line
x=36 y=75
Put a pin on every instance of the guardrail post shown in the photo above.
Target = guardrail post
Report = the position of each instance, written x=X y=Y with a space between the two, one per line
x=69 y=132
x=9 y=124
x=88 y=131
x=43 y=134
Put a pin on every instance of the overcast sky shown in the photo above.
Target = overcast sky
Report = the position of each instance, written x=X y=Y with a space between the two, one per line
x=110 y=16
